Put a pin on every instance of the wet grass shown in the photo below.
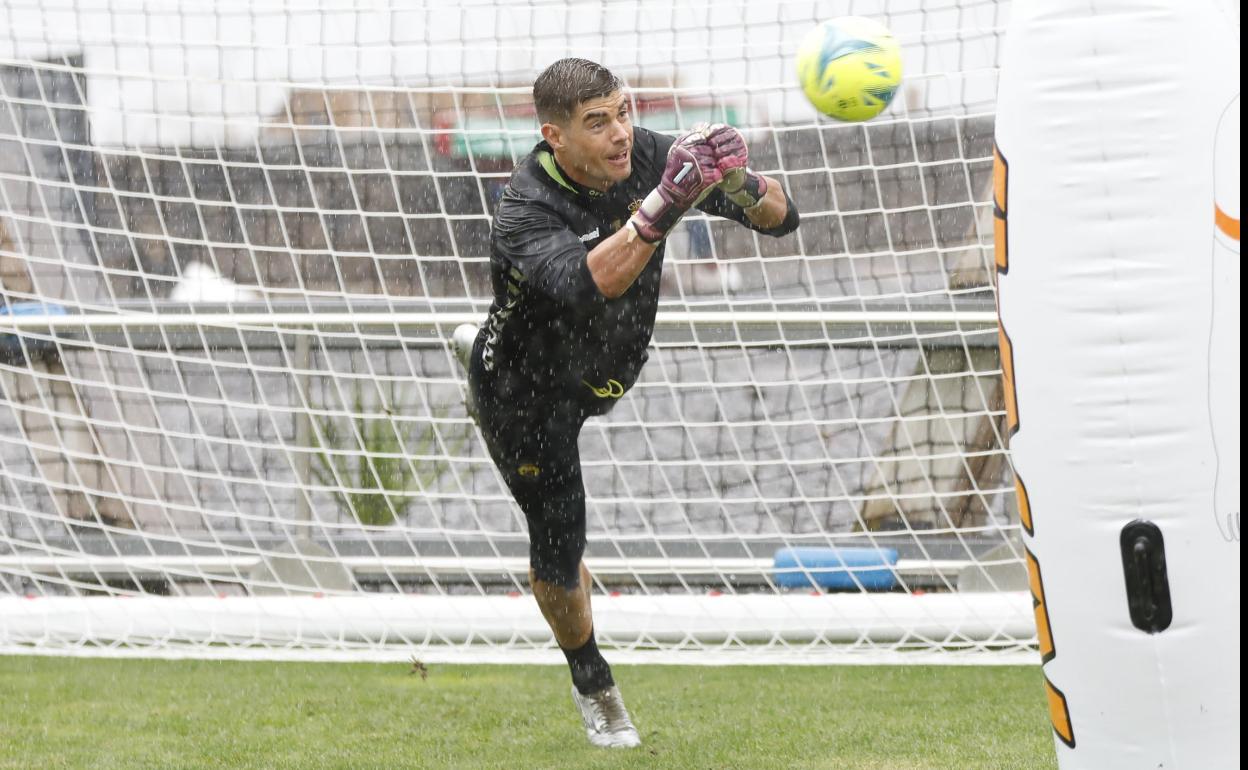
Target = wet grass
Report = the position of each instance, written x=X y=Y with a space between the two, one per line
x=87 y=713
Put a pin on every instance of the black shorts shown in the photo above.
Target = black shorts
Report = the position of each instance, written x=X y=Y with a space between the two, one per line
x=532 y=437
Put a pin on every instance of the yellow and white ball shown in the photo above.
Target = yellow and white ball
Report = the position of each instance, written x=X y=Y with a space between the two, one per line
x=849 y=68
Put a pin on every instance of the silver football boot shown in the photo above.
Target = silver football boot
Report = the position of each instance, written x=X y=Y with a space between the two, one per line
x=462 y=340
x=606 y=720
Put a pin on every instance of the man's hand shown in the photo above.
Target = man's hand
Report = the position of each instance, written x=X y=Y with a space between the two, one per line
x=692 y=171
x=742 y=186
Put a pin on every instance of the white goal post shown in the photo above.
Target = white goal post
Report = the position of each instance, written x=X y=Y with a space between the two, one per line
x=234 y=241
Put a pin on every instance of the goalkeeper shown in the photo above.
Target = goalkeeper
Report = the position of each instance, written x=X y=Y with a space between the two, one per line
x=576 y=257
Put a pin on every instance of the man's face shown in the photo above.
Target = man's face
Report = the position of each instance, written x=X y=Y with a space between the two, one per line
x=596 y=145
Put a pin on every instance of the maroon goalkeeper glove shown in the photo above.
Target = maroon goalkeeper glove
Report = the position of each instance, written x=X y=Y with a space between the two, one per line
x=742 y=186
x=691 y=173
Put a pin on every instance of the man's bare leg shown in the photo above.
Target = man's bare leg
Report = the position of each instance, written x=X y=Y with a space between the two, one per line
x=567 y=611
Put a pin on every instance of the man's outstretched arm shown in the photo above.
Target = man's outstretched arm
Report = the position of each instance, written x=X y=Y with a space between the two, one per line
x=617 y=261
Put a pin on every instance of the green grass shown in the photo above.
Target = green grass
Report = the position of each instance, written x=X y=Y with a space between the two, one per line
x=98 y=714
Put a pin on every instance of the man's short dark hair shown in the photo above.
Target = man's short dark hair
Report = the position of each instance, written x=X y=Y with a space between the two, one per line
x=565 y=84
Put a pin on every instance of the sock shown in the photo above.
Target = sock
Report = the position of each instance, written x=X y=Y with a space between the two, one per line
x=590 y=672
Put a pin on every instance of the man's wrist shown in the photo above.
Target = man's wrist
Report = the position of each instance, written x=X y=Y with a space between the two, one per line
x=745 y=188
x=656 y=216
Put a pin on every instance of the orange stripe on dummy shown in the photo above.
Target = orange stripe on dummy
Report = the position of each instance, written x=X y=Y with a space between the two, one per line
x=1226 y=223
x=1007 y=375
x=1000 y=191
x=1000 y=239
x=1059 y=710
x=1044 y=632
x=1024 y=505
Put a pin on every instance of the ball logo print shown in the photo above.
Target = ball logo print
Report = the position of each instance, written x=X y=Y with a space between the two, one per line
x=850 y=68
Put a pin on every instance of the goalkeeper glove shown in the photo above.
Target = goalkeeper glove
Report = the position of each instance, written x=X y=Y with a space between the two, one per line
x=742 y=186
x=689 y=176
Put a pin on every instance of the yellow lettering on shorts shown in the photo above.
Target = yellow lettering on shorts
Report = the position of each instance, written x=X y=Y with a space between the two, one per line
x=613 y=389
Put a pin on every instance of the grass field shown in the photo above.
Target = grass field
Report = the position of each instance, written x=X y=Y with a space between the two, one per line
x=84 y=713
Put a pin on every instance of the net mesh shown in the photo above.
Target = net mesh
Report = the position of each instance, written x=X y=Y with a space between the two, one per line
x=234 y=241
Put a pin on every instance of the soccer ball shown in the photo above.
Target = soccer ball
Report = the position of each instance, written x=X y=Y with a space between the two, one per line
x=849 y=67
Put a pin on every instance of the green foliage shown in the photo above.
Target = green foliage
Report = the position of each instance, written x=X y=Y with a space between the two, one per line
x=121 y=714
x=371 y=465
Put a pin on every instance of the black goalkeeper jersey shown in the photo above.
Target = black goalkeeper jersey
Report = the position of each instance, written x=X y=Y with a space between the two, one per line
x=550 y=331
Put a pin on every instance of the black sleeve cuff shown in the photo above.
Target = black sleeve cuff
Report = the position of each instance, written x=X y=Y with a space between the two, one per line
x=791 y=220
x=586 y=296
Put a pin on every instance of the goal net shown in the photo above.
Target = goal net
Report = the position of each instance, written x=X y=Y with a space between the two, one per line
x=235 y=238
